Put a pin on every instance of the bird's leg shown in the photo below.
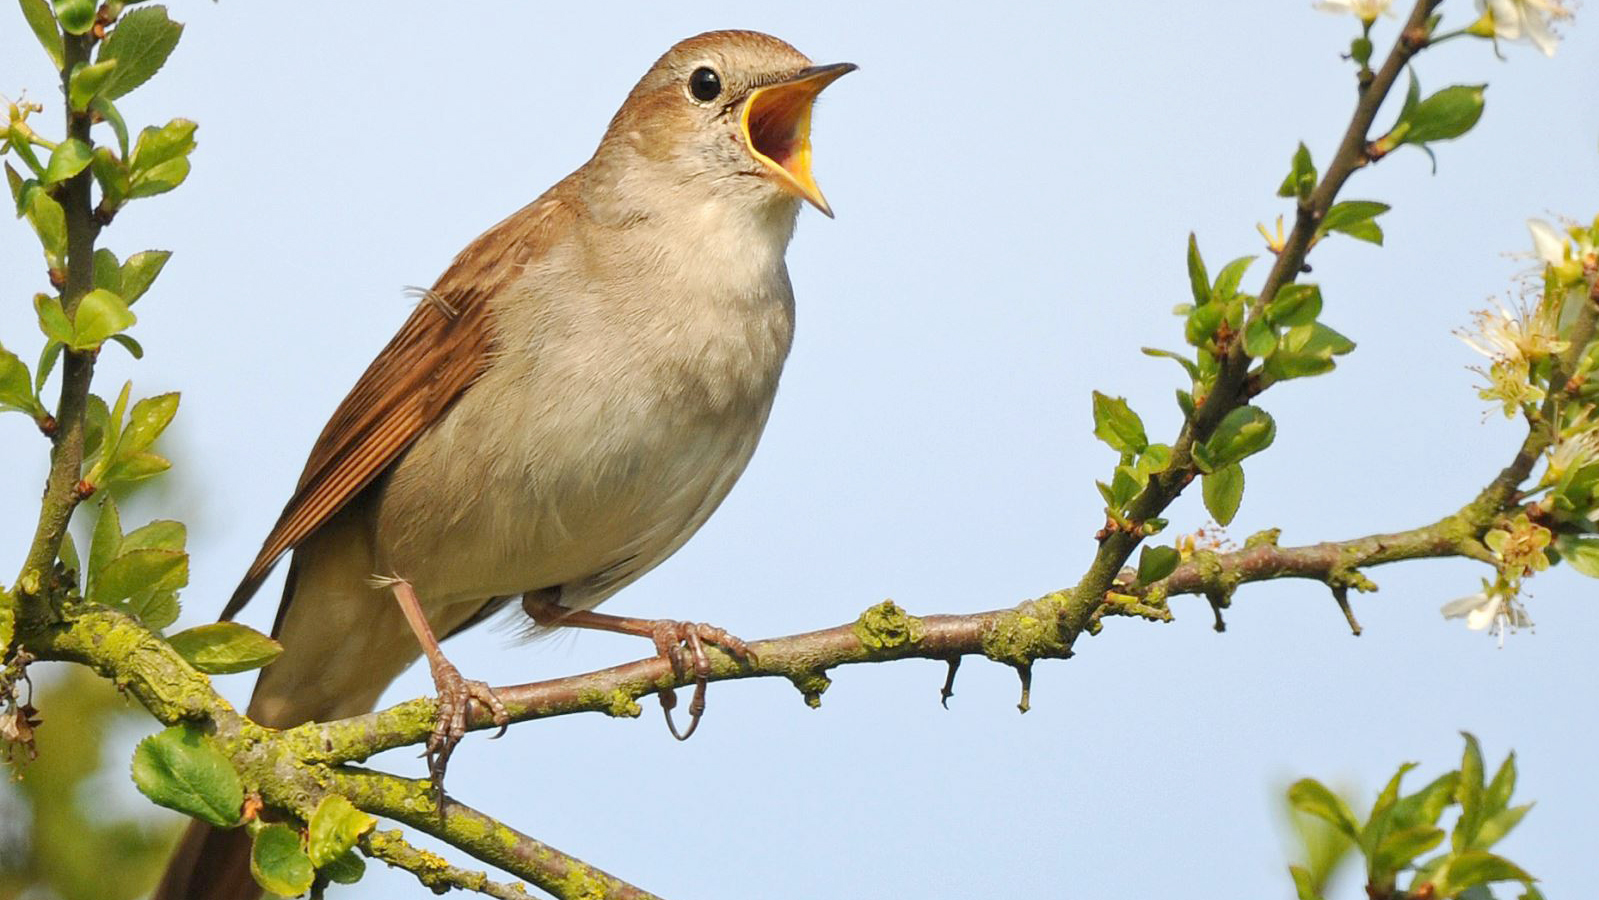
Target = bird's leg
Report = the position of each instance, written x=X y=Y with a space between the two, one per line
x=671 y=639
x=455 y=692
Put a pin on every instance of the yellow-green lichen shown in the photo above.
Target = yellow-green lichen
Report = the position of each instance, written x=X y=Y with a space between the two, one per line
x=1029 y=632
x=812 y=684
x=618 y=703
x=1266 y=538
x=581 y=883
x=885 y=626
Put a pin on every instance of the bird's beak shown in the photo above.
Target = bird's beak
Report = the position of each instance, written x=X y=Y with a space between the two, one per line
x=777 y=128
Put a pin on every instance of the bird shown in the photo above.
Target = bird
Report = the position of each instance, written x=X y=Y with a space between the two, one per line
x=561 y=411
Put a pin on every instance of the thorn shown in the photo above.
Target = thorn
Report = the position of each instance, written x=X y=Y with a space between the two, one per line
x=1216 y=604
x=948 y=690
x=1025 y=673
x=1341 y=595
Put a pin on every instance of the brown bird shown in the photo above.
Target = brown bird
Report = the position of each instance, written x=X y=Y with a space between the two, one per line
x=565 y=408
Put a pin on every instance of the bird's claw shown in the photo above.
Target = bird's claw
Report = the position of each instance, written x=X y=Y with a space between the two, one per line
x=449 y=726
x=675 y=640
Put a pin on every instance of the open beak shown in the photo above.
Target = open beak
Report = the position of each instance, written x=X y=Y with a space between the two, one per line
x=777 y=128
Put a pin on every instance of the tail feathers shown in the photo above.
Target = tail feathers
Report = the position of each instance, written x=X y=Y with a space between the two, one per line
x=210 y=863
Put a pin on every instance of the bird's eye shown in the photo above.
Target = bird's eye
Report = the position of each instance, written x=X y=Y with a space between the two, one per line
x=705 y=84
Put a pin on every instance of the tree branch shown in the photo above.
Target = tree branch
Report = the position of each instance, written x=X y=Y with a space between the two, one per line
x=61 y=495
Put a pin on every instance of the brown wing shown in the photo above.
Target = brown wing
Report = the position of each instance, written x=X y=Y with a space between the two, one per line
x=440 y=350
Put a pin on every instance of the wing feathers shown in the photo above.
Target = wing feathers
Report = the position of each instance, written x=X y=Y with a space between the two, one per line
x=439 y=351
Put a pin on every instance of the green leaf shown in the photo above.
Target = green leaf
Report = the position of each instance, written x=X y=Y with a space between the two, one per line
x=158 y=179
x=278 y=863
x=53 y=319
x=1187 y=364
x=108 y=111
x=156 y=609
x=146 y=421
x=1399 y=848
x=1185 y=402
x=43 y=23
x=1124 y=486
x=1223 y=490
x=113 y=176
x=86 y=83
x=1474 y=867
x=171 y=141
x=96 y=423
x=222 y=648
x=1197 y=278
x=16 y=385
x=1228 y=278
x=1116 y=424
x=70 y=157
x=107 y=271
x=1301 y=180
x=49 y=222
x=1354 y=218
x=1155 y=563
x=140 y=271
x=19 y=187
x=1497 y=796
x=1259 y=338
x=1155 y=458
x=1311 y=797
x=138 y=573
x=181 y=769
x=1581 y=552
x=1382 y=810
x=140 y=44
x=1427 y=805
x=1294 y=304
x=1447 y=114
x=135 y=467
x=69 y=554
x=100 y=314
x=105 y=544
x=334 y=828
x=1469 y=793
x=1203 y=322
x=346 y=868
x=134 y=348
x=1240 y=434
x=1496 y=826
x=76 y=16
x=1304 y=885
x=162 y=534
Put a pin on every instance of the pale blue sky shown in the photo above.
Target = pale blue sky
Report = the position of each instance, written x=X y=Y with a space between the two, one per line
x=1013 y=187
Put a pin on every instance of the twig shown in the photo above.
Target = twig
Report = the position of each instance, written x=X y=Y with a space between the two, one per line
x=432 y=870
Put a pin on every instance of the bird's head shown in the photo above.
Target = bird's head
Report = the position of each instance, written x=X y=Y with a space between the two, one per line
x=729 y=113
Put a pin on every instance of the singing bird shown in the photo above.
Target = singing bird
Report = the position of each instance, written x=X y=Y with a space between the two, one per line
x=564 y=408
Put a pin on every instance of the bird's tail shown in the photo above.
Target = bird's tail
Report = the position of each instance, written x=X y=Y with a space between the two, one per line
x=210 y=864
x=343 y=643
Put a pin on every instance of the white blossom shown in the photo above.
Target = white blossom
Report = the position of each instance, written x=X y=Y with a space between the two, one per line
x=1548 y=242
x=1513 y=20
x=1366 y=10
x=1505 y=336
x=1489 y=610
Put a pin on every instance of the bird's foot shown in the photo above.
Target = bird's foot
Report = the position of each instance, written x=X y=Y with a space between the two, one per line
x=456 y=694
x=675 y=640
